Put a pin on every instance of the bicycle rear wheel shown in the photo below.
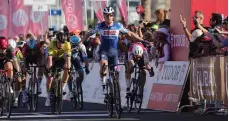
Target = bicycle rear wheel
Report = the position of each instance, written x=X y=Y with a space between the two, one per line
x=35 y=95
x=53 y=101
x=109 y=98
x=53 y=97
x=59 y=100
x=1 y=108
x=129 y=98
x=117 y=98
x=29 y=93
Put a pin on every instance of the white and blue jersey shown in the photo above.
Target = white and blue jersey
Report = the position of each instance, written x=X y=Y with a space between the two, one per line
x=109 y=35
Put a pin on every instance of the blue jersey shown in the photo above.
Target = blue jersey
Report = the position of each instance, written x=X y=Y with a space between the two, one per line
x=109 y=35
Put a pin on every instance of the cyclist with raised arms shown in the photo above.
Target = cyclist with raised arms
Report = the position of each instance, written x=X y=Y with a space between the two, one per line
x=109 y=31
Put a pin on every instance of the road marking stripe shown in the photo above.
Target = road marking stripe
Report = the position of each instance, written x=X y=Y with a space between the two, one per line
x=85 y=119
x=69 y=115
x=80 y=112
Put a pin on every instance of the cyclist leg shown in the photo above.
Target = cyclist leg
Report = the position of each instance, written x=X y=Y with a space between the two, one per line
x=103 y=70
x=41 y=71
x=67 y=66
x=79 y=68
x=129 y=71
x=49 y=78
x=9 y=67
x=16 y=69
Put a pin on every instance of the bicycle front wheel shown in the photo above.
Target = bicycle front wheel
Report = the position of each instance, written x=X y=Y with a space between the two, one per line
x=109 y=98
x=133 y=94
x=9 y=99
x=117 y=99
x=138 y=98
x=35 y=95
x=80 y=96
x=59 y=100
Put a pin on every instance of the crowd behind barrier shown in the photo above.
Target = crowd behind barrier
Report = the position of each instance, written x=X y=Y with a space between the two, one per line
x=208 y=69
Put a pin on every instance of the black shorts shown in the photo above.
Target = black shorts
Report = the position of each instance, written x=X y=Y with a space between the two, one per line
x=141 y=62
x=3 y=62
x=58 y=63
x=32 y=58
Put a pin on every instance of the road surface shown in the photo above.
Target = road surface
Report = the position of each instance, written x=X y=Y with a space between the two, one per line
x=96 y=112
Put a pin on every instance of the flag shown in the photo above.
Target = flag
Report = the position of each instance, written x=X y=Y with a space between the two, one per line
x=4 y=18
x=122 y=9
x=19 y=17
x=73 y=10
x=38 y=23
x=98 y=7
x=55 y=12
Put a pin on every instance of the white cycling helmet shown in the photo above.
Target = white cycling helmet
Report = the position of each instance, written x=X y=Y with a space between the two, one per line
x=108 y=10
x=12 y=43
x=137 y=50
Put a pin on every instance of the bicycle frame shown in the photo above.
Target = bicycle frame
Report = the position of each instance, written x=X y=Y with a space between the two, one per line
x=114 y=90
x=33 y=88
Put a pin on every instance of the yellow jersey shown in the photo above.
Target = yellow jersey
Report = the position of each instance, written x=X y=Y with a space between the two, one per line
x=62 y=52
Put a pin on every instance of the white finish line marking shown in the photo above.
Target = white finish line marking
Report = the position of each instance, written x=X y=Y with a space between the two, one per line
x=68 y=115
x=81 y=112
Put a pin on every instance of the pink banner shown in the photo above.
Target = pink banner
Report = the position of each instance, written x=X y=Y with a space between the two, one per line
x=98 y=7
x=4 y=18
x=19 y=17
x=73 y=14
x=122 y=9
x=38 y=22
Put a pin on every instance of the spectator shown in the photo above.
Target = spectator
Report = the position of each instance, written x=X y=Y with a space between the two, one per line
x=160 y=14
x=162 y=18
x=162 y=45
x=199 y=17
x=194 y=45
x=215 y=22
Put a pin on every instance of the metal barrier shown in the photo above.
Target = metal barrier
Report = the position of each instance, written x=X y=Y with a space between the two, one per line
x=208 y=83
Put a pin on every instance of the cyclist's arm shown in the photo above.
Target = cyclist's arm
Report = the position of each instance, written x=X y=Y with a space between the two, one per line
x=93 y=31
x=134 y=36
x=131 y=34
x=12 y=57
x=84 y=55
x=50 y=53
x=34 y=37
x=68 y=54
x=85 y=37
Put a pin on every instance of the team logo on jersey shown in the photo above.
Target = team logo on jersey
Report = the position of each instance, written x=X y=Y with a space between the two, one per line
x=110 y=32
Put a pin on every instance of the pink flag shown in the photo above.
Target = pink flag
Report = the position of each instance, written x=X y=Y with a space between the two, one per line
x=122 y=8
x=19 y=17
x=98 y=7
x=38 y=22
x=73 y=14
x=4 y=18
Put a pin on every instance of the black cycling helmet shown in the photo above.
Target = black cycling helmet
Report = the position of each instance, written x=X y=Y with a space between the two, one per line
x=60 y=37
